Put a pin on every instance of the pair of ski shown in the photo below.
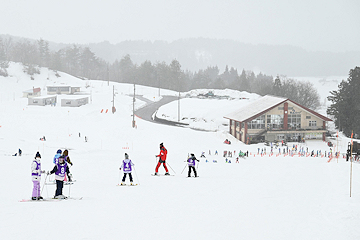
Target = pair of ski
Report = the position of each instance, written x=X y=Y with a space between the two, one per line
x=51 y=199
x=161 y=175
x=65 y=183
x=127 y=185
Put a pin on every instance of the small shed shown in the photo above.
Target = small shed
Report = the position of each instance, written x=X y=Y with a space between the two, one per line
x=34 y=92
x=42 y=101
x=74 y=102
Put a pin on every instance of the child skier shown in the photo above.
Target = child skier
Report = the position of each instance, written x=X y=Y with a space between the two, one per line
x=60 y=169
x=126 y=166
x=162 y=158
x=36 y=177
x=191 y=164
x=57 y=155
x=67 y=160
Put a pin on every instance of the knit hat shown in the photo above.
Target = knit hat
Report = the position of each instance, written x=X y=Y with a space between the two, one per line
x=37 y=155
x=59 y=151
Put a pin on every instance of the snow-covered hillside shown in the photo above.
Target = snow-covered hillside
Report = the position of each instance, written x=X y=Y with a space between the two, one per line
x=269 y=197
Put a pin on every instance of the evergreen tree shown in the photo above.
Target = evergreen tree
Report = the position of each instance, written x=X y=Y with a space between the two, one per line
x=345 y=104
x=276 y=90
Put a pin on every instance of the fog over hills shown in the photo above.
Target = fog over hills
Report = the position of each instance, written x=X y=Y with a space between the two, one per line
x=199 y=53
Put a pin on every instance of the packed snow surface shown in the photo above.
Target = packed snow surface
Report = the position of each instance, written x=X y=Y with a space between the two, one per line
x=269 y=197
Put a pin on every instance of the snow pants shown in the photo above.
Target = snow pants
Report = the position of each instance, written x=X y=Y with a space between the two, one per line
x=36 y=189
x=131 y=179
x=158 y=165
x=59 y=187
x=189 y=172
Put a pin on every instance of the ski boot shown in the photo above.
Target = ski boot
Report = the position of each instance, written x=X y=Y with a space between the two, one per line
x=60 y=197
x=156 y=174
x=40 y=198
x=131 y=184
x=122 y=183
x=167 y=173
x=34 y=198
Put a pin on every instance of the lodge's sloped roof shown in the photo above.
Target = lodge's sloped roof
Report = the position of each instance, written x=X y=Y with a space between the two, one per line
x=263 y=105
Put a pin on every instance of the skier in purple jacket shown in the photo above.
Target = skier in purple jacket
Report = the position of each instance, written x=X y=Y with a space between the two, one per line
x=127 y=168
x=60 y=169
x=191 y=164
x=36 y=177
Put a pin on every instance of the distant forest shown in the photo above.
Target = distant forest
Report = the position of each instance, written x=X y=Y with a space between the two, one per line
x=82 y=62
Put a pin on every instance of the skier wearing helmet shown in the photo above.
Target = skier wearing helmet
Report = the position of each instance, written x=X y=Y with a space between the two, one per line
x=57 y=155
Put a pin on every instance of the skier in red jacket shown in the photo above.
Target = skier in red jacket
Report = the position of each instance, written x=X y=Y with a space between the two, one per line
x=162 y=159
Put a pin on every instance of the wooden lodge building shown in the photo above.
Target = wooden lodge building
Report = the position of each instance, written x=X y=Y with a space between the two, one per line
x=273 y=118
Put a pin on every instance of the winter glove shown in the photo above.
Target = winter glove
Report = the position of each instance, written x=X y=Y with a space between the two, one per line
x=120 y=169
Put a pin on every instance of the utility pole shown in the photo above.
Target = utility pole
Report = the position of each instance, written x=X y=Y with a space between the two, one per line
x=133 y=121
x=113 y=107
x=179 y=108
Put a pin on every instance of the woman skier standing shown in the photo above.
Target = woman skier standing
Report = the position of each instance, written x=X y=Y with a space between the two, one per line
x=36 y=177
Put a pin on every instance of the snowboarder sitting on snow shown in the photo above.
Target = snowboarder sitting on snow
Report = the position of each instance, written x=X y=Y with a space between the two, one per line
x=60 y=169
x=227 y=141
x=126 y=166
x=191 y=164
x=162 y=159
x=36 y=177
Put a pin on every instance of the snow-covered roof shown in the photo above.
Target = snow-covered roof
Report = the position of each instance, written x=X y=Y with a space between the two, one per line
x=45 y=96
x=33 y=90
x=255 y=108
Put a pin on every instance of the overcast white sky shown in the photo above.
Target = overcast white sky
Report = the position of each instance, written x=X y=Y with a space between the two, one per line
x=330 y=25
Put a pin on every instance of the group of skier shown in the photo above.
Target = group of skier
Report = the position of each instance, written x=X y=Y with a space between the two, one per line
x=61 y=169
x=62 y=163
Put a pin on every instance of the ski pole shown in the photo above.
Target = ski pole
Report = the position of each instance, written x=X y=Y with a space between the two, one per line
x=184 y=168
x=171 y=168
x=43 y=185
x=136 y=175
x=69 y=189
x=119 y=176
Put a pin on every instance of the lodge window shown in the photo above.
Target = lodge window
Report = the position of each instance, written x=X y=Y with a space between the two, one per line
x=257 y=123
x=275 y=121
x=294 y=121
x=312 y=123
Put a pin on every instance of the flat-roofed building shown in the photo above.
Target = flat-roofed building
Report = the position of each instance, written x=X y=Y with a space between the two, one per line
x=42 y=101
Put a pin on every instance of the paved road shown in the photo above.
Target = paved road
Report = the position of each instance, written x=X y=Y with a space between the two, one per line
x=151 y=107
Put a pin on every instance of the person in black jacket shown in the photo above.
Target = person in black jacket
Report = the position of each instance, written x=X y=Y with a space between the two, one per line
x=60 y=169
x=191 y=164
